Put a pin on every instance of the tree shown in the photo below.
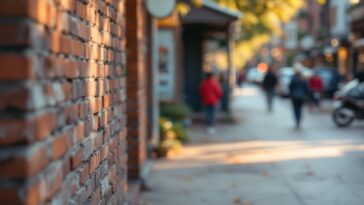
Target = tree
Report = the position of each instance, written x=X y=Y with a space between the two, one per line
x=261 y=20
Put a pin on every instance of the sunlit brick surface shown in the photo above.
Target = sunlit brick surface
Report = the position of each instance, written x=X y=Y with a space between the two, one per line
x=62 y=102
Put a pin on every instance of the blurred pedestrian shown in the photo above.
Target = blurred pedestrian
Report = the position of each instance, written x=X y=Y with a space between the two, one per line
x=224 y=83
x=316 y=88
x=211 y=93
x=298 y=92
x=270 y=82
x=240 y=78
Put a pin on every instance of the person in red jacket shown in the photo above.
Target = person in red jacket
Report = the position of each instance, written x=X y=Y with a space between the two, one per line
x=211 y=93
x=316 y=87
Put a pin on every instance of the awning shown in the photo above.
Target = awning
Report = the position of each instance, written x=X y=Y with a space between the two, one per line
x=211 y=14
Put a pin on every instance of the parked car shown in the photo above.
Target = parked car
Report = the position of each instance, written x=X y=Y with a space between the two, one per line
x=284 y=79
x=254 y=76
x=330 y=78
x=285 y=75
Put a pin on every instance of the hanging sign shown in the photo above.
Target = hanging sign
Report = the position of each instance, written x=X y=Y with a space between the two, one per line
x=166 y=64
x=160 y=8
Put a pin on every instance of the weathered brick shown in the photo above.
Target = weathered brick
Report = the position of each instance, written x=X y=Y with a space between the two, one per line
x=79 y=132
x=95 y=161
x=51 y=182
x=76 y=159
x=19 y=34
x=9 y=195
x=96 y=196
x=68 y=5
x=84 y=173
x=60 y=145
x=24 y=163
x=15 y=67
x=62 y=101
x=81 y=10
x=14 y=8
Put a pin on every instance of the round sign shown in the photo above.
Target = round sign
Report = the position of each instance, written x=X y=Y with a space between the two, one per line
x=160 y=8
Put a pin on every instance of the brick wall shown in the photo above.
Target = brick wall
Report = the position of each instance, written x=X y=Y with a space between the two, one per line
x=62 y=102
x=136 y=91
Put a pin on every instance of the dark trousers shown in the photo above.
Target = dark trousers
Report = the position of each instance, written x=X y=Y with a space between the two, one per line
x=210 y=114
x=297 y=109
x=270 y=96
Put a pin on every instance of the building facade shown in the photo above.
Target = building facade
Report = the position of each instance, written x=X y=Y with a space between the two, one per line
x=73 y=114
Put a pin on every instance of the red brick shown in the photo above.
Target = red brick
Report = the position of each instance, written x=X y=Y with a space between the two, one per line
x=60 y=145
x=71 y=113
x=9 y=195
x=79 y=132
x=44 y=124
x=81 y=10
x=91 y=88
x=27 y=130
x=23 y=166
x=96 y=105
x=84 y=173
x=96 y=196
x=12 y=131
x=15 y=34
x=84 y=109
x=76 y=158
x=66 y=165
x=67 y=90
x=55 y=44
x=76 y=47
x=51 y=13
x=14 y=8
x=38 y=10
x=104 y=152
x=112 y=174
x=94 y=161
x=69 y=5
x=17 y=98
x=56 y=136
x=98 y=140
x=15 y=67
x=65 y=45
x=51 y=183
x=83 y=33
x=70 y=69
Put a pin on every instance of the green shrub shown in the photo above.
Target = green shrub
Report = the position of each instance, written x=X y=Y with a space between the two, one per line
x=181 y=132
x=175 y=111
x=172 y=134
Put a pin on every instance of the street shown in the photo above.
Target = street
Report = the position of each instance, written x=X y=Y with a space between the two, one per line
x=263 y=160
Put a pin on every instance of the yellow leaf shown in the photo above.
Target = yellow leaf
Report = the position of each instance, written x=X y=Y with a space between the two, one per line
x=321 y=1
x=197 y=3
x=182 y=8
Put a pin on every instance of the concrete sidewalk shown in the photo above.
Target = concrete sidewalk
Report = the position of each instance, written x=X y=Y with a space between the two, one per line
x=262 y=160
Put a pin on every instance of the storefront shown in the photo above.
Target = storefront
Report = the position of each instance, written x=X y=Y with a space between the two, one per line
x=208 y=45
x=357 y=50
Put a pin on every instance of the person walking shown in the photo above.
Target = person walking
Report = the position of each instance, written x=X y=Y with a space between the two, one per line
x=316 y=88
x=240 y=78
x=270 y=81
x=298 y=92
x=211 y=93
x=225 y=95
